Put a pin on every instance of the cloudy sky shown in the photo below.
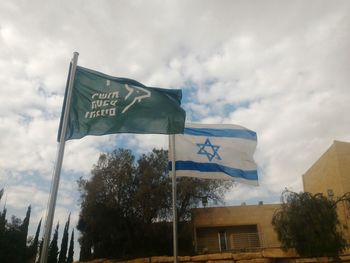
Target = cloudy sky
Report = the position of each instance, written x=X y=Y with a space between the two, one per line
x=280 y=68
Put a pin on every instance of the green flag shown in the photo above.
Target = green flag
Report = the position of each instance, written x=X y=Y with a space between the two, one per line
x=102 y=104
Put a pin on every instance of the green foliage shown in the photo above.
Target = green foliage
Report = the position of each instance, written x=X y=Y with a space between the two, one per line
x=17 y=247
x=25 y=224
x=24 y=233
x=64 y=243
x=71 y=249
x=33 y=248
x=308 y=223
x=3 y=223
x=40 y=250
x=12 y=240
x=126 y=205
x=53 y=248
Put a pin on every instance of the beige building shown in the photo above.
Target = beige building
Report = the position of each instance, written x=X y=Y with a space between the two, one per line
x=234 y=228
x=249 y=228
x=330 y=175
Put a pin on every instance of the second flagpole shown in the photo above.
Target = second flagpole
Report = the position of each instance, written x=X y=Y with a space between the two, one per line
x=175 y=240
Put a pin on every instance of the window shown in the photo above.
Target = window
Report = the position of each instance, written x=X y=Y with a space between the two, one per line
x=245 y=237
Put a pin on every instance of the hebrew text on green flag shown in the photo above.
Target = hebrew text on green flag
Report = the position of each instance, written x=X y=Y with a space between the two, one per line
x=102 y=104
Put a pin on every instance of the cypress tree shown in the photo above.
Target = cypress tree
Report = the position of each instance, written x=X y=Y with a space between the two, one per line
x=33 y=250
x=3 y=235
x=25 y=222
x=2 y=218
x=24 y=226
x=3 y=221
x=40 y=250
x=71 y=249
x=53 y=248
x=64 y=243
x=24 y=251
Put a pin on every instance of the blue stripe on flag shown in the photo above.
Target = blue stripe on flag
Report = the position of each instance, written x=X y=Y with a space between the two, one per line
x=214 y=167
x=237 y=133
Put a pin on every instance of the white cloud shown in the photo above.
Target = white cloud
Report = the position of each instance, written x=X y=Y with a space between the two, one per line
x=21 y=196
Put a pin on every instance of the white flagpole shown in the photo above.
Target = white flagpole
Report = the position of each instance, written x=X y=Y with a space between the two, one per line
x=175 y=243
x=58 y=166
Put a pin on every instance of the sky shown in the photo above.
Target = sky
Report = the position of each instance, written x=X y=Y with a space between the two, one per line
x=280 y=68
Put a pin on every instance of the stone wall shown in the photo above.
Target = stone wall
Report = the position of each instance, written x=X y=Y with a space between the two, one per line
x=270 y=255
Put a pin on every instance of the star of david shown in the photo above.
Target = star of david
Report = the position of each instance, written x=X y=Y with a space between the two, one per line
x=208 y=149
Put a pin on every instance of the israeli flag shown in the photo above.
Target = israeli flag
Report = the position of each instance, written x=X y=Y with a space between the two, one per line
x=216 y=151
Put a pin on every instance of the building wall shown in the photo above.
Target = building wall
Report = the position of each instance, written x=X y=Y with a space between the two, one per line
x=330 y=175
x=209 y=222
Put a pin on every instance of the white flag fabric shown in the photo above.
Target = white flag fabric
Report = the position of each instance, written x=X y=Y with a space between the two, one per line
x=216 y=151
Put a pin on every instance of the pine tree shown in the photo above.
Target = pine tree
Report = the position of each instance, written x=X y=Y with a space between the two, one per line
x=71 y=249
x=64 y=243
x=53 y=248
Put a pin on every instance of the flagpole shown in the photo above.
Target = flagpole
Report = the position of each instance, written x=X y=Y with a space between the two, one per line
x=58 y=166
x=175 y=243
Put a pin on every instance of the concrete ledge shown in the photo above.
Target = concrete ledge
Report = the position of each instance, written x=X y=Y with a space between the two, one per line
x=100 y=260
x=217 y=256
x=279 y=253
x=139 y=260
x=184 y=258
x=246 y=256
x=306 y=260
x=161 y=259
x=221 y=261
x=345 y=258
x=256 y=260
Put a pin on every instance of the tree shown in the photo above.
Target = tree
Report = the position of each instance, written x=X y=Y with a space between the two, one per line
x=33 y=249
x=25 y=225
x=71 y=249
x=24 y=233
x=106 y=205
x=53 y=247
x=152 y=198
x=3 y=223
x=309 y=224
x=126 y=206
x=40 y=250
x=15 y=246
x=13 y=237
x=64 y=243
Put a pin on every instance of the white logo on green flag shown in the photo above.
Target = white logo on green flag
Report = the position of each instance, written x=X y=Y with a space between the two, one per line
x=103 y=104
x=145 y=94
